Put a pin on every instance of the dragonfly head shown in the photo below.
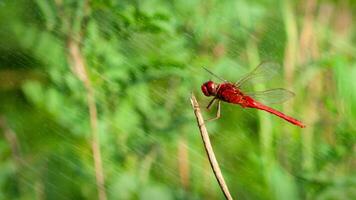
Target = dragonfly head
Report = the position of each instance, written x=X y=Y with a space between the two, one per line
x=209 y=88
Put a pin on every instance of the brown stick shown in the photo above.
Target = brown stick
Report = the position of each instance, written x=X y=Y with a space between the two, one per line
x=11 y=137
x=209 y=149
x=79 y=69
x=183 y=162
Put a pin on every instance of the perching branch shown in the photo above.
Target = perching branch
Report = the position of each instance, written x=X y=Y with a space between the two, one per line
x=209 y=149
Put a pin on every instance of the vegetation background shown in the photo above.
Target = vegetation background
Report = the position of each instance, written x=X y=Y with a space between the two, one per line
x=94 y=99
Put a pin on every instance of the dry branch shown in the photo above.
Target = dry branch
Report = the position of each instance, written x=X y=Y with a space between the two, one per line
x=183 y=162
x=11 y=138
x=209 y=149
x=78 y=67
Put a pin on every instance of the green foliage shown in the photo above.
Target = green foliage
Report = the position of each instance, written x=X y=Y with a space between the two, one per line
x=144 y=59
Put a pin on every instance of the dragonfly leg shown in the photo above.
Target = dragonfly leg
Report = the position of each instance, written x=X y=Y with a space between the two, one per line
x=211 y=103
x=218 y=114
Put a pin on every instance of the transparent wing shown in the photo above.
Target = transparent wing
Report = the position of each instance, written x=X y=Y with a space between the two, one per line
x=263 y=72
x=216 y=76
x=272 y=96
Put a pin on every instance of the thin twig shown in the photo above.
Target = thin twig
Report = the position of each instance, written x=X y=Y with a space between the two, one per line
x=79 y=69
x=78 y=66
x=11 y=138
x=209 y=149
x=183 y=162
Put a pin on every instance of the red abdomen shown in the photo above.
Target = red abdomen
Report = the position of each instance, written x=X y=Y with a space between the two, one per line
x=277 y=113
x=229 y=93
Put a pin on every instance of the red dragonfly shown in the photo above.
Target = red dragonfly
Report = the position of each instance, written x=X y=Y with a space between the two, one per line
x=232 y=92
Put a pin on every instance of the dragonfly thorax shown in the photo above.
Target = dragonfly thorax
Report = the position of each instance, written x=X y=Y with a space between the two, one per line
x=209 y=88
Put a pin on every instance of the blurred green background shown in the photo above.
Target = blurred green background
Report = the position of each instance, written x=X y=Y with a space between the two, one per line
x=94 y=99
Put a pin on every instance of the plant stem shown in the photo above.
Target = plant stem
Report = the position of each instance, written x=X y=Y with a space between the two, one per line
x=209 y=149
x=183 y=162
x=14 y=144
x=79 y=69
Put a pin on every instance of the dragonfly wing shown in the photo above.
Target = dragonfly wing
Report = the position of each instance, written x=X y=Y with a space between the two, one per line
x=272 y=96
x=216 y=76
x=263 y=72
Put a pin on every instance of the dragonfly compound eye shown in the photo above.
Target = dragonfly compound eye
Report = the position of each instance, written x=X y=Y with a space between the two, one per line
x=208 y=88
x=205 y=90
